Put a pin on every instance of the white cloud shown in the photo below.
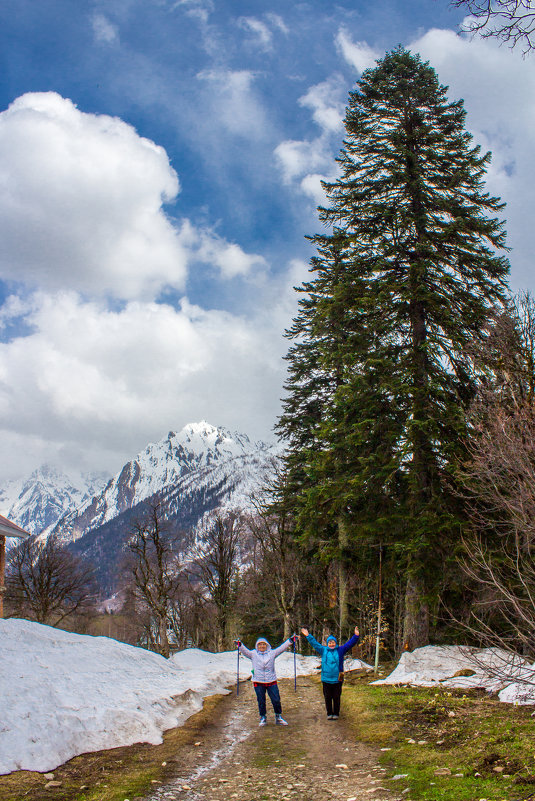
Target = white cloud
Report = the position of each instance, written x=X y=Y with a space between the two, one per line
x=230 y=98
x=262 y=35
x=311 y=186
x=307 y=162
x=297 y=158
x=81 y=202
x=277 y=22
x=358 y=54
x=201 y=9
x=82 y=207
x=327 y=101
x=498 y=88
x=99 y=383
x=103 y=29
x=229 y=257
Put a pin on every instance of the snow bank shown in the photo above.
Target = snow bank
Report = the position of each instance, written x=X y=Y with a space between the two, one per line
x=66 y=694
x=441 y=665
x=195 y=660
x=520 y=692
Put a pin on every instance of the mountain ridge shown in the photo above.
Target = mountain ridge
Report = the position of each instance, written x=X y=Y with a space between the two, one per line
x=189 y=474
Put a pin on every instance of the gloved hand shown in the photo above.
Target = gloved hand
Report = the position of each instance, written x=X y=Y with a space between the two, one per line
x=237 y=643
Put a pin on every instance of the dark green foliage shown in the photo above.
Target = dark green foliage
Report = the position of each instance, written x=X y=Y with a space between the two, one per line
x=380 y=372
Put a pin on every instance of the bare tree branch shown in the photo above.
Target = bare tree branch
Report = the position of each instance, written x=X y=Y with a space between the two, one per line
x=509 y=21
x=156 y=575
x=216 y=566
x=47 y=583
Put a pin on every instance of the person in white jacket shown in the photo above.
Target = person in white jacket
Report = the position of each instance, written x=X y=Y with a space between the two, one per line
x=264 y=677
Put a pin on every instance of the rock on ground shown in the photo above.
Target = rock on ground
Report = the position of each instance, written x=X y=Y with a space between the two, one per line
x=311 y=758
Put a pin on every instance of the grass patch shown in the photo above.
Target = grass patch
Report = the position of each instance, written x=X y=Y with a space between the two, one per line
x=129 y=772
x=434 y=734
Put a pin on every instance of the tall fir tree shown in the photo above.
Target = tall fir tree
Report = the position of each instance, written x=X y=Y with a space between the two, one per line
x=380 y=372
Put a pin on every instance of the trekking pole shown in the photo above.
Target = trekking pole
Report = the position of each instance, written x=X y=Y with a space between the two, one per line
x=237 y=666
x=295 y=669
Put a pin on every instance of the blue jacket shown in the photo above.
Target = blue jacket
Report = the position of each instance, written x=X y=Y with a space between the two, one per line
x=332 y=659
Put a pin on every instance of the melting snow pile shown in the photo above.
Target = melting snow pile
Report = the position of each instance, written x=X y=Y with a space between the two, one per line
x=461 y=667
x=66 y=694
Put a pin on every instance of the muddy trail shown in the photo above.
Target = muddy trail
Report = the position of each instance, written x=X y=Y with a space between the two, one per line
x=312 y=758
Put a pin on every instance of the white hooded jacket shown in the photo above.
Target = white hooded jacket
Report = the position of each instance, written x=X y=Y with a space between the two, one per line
x=264 y=664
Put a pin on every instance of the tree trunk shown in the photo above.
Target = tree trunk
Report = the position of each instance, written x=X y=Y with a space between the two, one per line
x=416 y=623
x=162 y=636
x=343 y=542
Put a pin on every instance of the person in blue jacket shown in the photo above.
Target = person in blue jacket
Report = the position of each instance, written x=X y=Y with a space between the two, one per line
x=332 y=669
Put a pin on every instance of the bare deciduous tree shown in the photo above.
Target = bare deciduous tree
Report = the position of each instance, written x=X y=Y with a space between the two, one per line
x=509 y=21
x=499 y=495
x=156 y=575
x=48 y=584
x=216 y=566
x=281 y=562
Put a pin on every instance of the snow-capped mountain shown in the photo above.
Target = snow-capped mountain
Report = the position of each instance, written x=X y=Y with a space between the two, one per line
x=199 y=461
x=39 y=501
x=189 y=474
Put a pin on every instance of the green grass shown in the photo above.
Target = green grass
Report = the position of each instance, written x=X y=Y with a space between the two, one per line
x=465 y=733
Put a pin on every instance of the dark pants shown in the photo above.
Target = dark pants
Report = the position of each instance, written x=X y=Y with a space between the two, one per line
x=274 y=695
x=332 y=693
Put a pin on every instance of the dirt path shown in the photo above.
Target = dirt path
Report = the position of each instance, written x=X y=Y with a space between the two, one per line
x=312 y=758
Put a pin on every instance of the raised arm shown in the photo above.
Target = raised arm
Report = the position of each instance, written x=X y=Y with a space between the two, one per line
x=350 y=643
x=244 y=651
x=315 y=644
x=283 y=647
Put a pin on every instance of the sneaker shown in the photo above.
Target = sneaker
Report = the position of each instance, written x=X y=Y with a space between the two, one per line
x=334 y=717
x=280 y=720
x=263 y=721
x=330 y=717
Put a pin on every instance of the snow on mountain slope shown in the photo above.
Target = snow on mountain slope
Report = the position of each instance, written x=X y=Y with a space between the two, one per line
x=200 y=461
x=38 y=502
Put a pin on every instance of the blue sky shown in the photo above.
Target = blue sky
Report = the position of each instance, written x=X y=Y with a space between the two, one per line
x=161 y=163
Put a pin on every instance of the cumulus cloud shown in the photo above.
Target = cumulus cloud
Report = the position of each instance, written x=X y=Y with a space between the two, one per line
x=82 y=202
x=327 y=101
x=358 y=54
x=498 y=88
x=228 y=257
x=104 y=382
x=82 y=207
x=104 y=30
x=308 y=162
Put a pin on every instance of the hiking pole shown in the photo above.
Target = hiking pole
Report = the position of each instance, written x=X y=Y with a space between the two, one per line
x=237 y=643
x=295 y=667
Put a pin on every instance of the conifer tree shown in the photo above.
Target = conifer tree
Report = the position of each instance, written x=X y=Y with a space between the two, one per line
x=380 y=372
